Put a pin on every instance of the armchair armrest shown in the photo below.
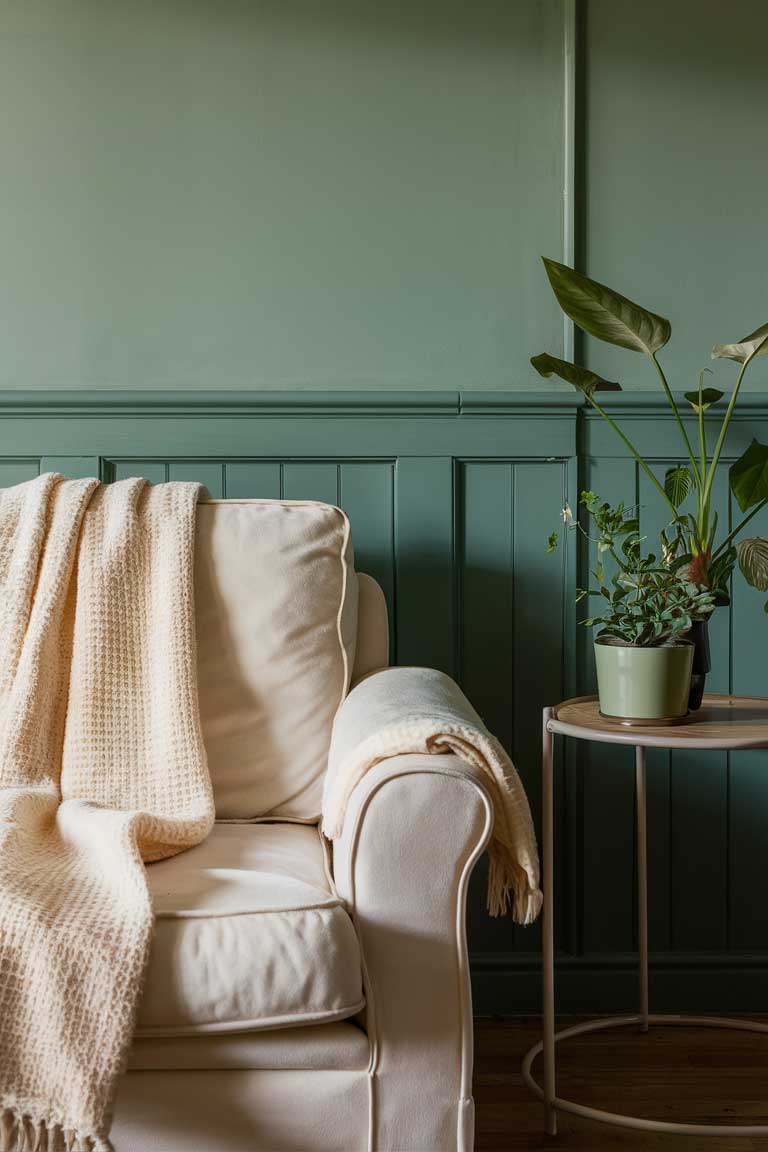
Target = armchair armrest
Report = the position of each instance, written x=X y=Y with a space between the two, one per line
x=401 y=711
x=415 y=789
x=398 y=772
x=413 y=830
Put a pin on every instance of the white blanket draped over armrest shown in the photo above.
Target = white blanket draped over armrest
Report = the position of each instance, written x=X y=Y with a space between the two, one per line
x=418 y=710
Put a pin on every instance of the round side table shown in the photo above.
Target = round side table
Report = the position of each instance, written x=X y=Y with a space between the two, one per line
x=723 y=722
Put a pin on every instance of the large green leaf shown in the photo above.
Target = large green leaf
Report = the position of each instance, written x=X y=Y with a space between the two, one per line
x=756 y=344
x=604 y=313
x=677 y=484
x=709 y=396
x=749 y=476
x=753 y=561
x=581 y=378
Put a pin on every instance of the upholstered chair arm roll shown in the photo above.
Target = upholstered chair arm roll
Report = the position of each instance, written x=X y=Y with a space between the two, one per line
x=399 y=711
x=414 y=826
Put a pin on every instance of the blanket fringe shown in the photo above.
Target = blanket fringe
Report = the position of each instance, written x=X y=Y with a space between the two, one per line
x=19 y=1132
x=508 y=885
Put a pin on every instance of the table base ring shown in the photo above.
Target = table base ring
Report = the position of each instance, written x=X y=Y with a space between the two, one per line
x=636 y=1122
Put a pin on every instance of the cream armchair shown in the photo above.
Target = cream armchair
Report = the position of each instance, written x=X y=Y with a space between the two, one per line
x=302 y=995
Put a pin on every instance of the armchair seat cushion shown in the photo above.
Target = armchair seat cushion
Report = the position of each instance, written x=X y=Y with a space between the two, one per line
x=250 y=933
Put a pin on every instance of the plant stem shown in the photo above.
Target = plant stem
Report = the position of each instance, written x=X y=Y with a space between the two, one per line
x=619 y=565
x=723 y=429
x=678 y=417
x=738 y=528
x=702 y=430
x=633 y=450
x=703 y=511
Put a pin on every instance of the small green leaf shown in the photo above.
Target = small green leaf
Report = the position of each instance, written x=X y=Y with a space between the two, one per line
x=756 y=344
x=677 y=484
x=606 y=314
x=709 y=396
x=748 y=477
x=552 y=542
x=753 y=561
x=581 y=378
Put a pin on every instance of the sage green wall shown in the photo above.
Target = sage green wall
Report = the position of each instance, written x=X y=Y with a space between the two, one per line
x=354 y=193
x=676 y=171
x=278 y=193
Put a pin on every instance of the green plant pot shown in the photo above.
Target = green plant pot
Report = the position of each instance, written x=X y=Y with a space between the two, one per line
x=643 y=685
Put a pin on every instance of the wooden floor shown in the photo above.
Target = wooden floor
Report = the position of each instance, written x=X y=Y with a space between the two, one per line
x=692 y=1074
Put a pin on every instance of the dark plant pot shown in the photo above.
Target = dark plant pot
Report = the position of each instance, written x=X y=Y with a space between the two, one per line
x=699 y=634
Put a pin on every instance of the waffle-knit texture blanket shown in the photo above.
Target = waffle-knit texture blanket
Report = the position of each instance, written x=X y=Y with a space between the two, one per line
x=102 y=767
x=400 y=711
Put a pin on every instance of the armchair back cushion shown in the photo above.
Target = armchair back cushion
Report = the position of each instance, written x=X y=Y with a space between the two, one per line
x=276 y=613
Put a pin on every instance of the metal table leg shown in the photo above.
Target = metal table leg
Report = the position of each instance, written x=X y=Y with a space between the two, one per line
x=548 y=931
x=642 y=884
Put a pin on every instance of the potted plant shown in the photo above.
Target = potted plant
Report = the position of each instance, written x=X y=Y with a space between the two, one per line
x=643 y=651
x=695 y=548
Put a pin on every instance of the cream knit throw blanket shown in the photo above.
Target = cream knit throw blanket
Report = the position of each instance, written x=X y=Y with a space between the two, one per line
x=102 y=767
x=418 y=710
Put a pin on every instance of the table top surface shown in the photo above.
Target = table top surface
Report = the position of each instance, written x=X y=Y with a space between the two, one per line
x=721 y=722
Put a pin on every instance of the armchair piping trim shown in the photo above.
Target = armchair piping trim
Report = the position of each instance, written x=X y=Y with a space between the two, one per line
x=346 y=562
x=226 y=914
x=260 y=1024
x=462 y=957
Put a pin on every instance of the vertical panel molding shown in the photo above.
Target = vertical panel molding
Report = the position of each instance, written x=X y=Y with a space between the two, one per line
x=424 y=562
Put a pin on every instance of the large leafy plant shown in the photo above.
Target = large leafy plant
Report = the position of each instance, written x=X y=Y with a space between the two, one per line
x=707 y=560
x=647 y=601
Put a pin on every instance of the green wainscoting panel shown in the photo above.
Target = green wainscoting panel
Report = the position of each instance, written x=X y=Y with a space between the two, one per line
x=156 y=471
x=367 y=495
x=486 y=593
x=17 y=471
x=451 y=499
x=486 y=636
x=254 y=480
x=425 y=554
x=75 y=466
x=311 y=480
x=209 y=473
x=539 y=639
